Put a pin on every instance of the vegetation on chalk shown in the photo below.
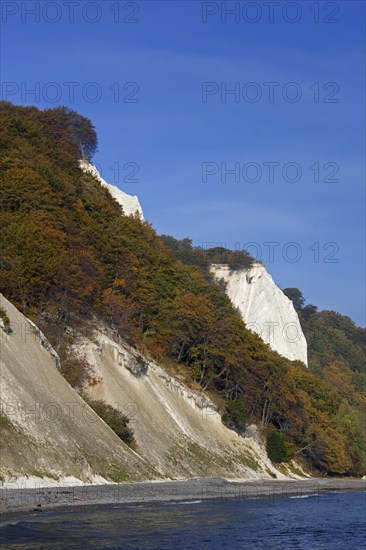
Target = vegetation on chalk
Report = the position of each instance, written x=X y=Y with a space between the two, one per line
x=45 y=473
x=69 y=258
x=279 y=447
x=76 y=370
x=118 y=475
x=235 y=415
x=117 y=421
x=4 y=317
x=5 y=423
x=249 y=462
x=203 y=257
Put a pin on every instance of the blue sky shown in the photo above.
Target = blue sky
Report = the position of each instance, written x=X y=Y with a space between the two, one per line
x=182 y=134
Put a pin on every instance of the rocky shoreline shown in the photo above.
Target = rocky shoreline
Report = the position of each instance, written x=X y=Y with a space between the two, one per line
x=17 y=501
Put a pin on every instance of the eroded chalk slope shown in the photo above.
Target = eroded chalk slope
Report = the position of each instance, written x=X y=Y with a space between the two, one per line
x=47 y=430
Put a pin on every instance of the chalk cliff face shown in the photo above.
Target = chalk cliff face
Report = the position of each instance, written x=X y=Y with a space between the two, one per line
x=129 y=203
x=177 y=429
x=265 y=309
x=47 y=431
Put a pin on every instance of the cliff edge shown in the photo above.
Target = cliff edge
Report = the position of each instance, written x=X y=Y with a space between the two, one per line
x=265 y=309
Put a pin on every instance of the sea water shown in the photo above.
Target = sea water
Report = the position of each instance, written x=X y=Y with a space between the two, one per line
x=328 y=521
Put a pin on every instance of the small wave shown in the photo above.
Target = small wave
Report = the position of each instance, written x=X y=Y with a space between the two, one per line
x=182 y=503
x=305 y=496
x=191 y=502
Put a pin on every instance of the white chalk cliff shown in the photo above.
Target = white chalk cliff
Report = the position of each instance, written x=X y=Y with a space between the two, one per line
x=265 y=309
x=129 y=203
x=47 y=431
x=177 y=429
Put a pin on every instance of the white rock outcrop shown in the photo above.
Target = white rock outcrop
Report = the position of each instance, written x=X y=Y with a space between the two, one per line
x=47 y=431
x=129 y=203
x=177 y=429
x=265 y=309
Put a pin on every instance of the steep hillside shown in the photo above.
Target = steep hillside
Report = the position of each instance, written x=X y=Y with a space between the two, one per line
x=177 y=428
x=72 y=261
x=337 y=348
x=337 y=351
x=47 y=430
x=130 y=204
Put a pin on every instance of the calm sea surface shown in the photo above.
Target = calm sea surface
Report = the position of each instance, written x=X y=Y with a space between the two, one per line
x=331 y=521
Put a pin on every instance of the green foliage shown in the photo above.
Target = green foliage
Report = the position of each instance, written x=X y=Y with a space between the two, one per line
x=63 y=122
x=279 y=447
x=45 y=473
x=247 y=461
x=117 y=421
x=203 y=257
x=118 y=476
x=295 y=296
x=308 y=311
x=235 y=415
x=235 y=259
x=5 y=423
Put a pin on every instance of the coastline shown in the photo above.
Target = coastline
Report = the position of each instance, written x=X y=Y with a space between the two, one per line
x=20 y=501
